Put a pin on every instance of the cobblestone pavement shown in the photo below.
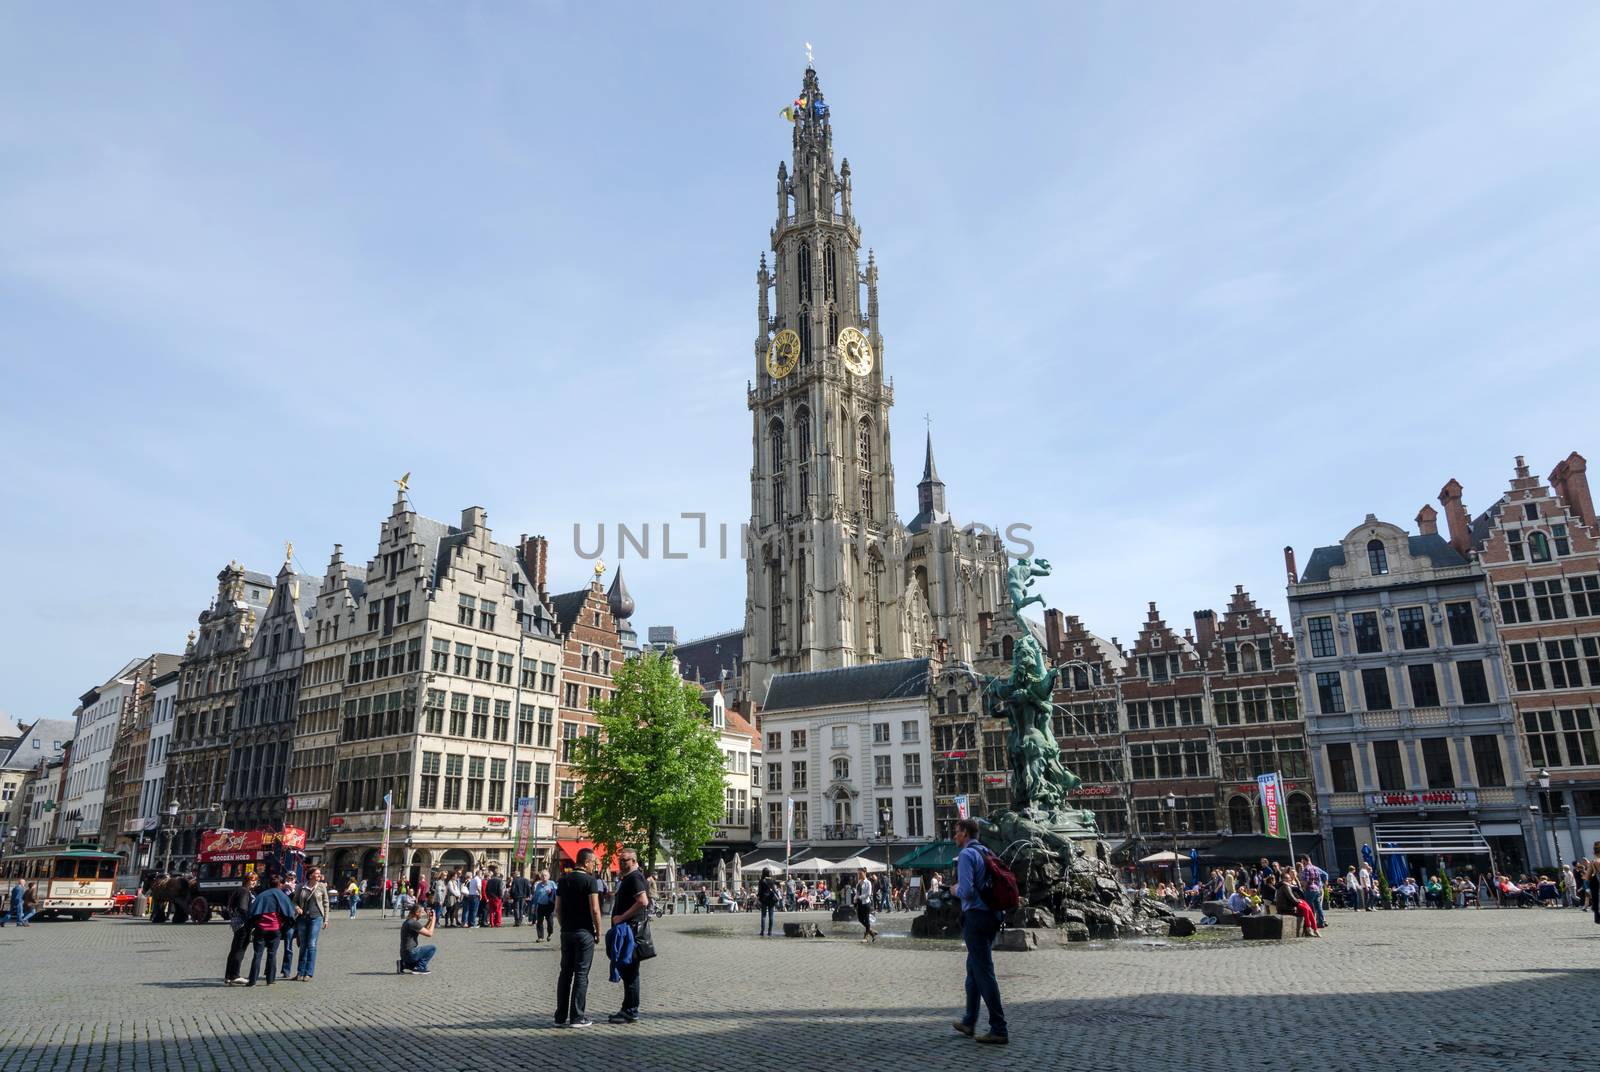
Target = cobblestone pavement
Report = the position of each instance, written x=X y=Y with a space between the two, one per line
x=1490 y=987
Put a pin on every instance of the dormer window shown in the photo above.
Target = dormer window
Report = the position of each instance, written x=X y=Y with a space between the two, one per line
x=1538 y=547
x=1377 y=558
x=1155 y=642
x=1563 y=545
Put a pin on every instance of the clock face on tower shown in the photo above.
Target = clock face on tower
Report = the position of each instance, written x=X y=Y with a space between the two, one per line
x=783 y=354
x=856 y=351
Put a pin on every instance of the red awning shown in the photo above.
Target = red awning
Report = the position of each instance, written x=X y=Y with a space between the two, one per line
x=569 y=851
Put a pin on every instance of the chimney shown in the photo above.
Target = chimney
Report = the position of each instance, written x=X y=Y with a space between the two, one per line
x=1455 y=515
x=474 y=519
x=1288 y=565
x=1205 y=628
x=1053 y=631
x=1428 y=521
x=1571 y=482
x=535 y=553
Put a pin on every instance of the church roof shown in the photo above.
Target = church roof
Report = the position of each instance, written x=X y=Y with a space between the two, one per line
x=899 y=679
x=705 y=659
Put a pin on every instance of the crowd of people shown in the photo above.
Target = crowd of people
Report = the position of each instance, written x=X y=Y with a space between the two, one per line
x=22 y=904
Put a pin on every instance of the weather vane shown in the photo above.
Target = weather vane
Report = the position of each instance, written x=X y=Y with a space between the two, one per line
x=288 y=550
x=599 y=570
x=403 y=482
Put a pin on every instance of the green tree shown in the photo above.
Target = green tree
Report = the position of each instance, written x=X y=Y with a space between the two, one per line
x=654 y=775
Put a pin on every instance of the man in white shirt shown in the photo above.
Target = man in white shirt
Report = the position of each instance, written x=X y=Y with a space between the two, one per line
x=1368 y=894
x=474 y=913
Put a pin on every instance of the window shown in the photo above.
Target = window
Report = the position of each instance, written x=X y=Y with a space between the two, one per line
x=475 y=783
x=525 y=722
x=453 y=767
x=480 y=717
x=1563 y=658
x=1463 y=623
x=841 y=736
x=567 y=790
x=1513 y=603
x=458 y=714
x=570 y=697
x=1386 y=755
x=440 y=662
x=1413 y=628
x=485 y=664
x=1549 y=602
x=1377 y=558
x=465 y=606
x=502 y=720
x=882 y=770
x=1321 y=632
x=1585 y=595
x=1514 y=545
x=1436 y=764
x=1342 y=768
x=913 y=769
x=1538 y=547
x=774 y=740
x=1474 y=686
x=507 y=663
x=1330 y=693
x=797 y=740
x=1172 y=759
x=1225 y=705
x=547 y=677
x=797 y=775
x=486 y=611
x=774 y=777
x=497 y=785
x=1375 y=689
x=1424 y=685
x=913 y=817
x=841 y=769
x=1368 y=638
x=1285 y=703
x=802 y=820
x=1527 y=674
x=463 y=660
x=547 y=725
x=430 y=781
x=1486 y=759
x=880 y=733
x=908 y=731
x=541 y=788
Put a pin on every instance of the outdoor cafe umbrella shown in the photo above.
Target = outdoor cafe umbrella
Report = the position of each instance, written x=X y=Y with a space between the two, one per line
x=857 y=862
x=1395 y=868
x=738 y=870
x=1161 y=858
x=722 y=872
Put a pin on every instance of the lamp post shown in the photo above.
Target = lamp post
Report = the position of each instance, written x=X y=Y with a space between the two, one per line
x=170 y=827
x=886 y=830
x=1172 y=824
x=1544 y=795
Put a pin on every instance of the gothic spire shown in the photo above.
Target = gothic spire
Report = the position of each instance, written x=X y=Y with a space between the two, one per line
x=930 y=493
x=930 y=474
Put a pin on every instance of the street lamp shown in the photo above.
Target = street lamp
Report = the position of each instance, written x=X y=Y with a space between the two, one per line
x=171 y=828
x=1172 y=824
x=886 y=830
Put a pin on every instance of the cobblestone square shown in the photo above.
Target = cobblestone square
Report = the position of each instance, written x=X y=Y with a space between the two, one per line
x=1389 y=989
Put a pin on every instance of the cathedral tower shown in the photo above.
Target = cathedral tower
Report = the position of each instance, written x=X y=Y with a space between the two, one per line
x=821 y=487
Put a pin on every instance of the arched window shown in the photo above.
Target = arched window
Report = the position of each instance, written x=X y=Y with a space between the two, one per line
x=1006 y=647
x=833 y=324
x=864 y=443
x=1247 y=658
x=775 y=601
x=874 y=596
x=1300 y=820
x=803 y=270
x=841 y=769
x=1377 y=558
x=800 y=576
x=1241 y=815
x=803 y=329
x=779 y=506
x=1538 y=547
x=829 y=272
x=775 y=434
x=802 y=435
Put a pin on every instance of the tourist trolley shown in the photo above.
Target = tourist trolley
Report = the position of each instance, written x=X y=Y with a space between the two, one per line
x=226 y=856
x=69 y=881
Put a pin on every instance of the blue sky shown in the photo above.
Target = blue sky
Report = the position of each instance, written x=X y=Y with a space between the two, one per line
x=1179 y=284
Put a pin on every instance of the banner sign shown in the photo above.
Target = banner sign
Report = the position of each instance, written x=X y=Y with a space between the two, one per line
x=524 y=828
x=961 y=806
x=388 y=813
x=1467 y=797
x=1274 y=809
x=245 y=844
x=788 y=831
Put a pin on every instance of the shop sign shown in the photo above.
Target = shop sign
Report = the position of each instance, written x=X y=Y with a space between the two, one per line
x=496 y=820
x=1094 y=791
x=1430 y=799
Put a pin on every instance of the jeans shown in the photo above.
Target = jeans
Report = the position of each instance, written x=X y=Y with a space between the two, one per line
x=517 y=905
x=265 y=942
x=241 y=942
x=354 y=903
x=420 y=957
x=630 y=988
x=469 y=913
x=546 y=927
x=979 y=927
x=288 y=948
x=572 y=986
x=769 y=917
x=1315 y=901
x=306 y=932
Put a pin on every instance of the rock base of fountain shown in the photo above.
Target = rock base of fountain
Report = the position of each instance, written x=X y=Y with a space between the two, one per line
x=1066 y=880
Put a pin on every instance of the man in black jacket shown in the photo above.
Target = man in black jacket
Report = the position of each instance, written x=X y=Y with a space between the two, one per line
x=521 y=890
x=239 y=919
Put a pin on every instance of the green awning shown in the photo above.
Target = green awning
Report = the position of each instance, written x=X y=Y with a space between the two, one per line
x=936 y=855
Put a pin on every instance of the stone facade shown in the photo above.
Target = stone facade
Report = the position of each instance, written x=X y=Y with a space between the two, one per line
x=1409 y=718
x=1539 y=545
x=590 y=647
x=208 y=704
x=833 y=577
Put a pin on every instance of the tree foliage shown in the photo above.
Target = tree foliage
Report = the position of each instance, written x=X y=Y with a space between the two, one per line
x=653 y=778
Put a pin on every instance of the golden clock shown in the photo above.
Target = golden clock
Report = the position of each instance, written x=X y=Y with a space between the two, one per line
x=784 y=354
x=856 y=351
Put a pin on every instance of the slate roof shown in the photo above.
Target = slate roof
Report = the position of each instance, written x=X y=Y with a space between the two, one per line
x=705 y=659
x=46 y=731
x=899 y=679
x=567 y=605
x=1434 y=548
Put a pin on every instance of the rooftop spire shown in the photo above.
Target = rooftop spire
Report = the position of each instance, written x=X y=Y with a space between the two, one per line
x=930 y=492
x=930 y=474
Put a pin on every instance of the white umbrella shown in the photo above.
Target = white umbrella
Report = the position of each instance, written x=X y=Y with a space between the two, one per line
x=738 y=869
x=755 y=867
x=812 y=866
x=858 y=862
x=1162 y=858
x=722 y=872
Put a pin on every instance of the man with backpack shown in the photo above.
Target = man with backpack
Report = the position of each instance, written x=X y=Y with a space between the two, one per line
x=983 y=885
